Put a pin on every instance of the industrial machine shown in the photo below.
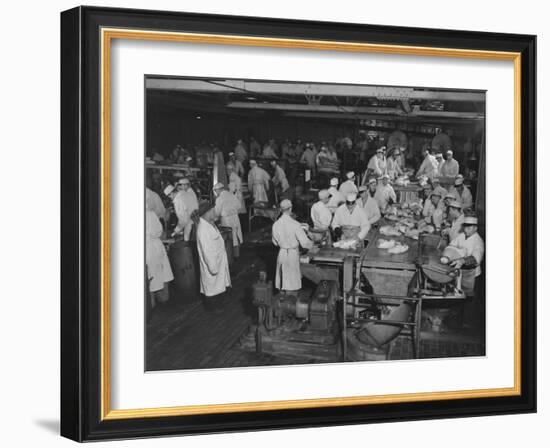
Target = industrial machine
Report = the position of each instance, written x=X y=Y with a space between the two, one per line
x=301 y=325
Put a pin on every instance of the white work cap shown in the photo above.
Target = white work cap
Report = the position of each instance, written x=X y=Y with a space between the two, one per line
x=449 y=151
x=470 y=220
x=334 y=181
x=323 y=194
x=450 y=196
x=455 y=204
x=459 y=180
x=439 y=155
x=351 y=197
x=231 y=154
x=285 y=204
x=350 y=174
x=169 y=189
x=218 y=186
x=362 y=188
x=252 y=162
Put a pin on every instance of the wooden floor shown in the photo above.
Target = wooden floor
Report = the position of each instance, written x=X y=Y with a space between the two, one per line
x=181 y=334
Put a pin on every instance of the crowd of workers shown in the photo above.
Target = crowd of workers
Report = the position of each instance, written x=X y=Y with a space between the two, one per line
x=346 y=210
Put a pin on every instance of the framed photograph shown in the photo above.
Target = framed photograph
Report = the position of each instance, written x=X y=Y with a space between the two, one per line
x=277 y=224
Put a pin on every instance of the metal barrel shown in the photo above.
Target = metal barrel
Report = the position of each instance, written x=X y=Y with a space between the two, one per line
x=183 y=266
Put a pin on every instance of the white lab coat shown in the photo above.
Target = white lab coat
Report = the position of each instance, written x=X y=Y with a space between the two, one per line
x=280 y=179
x=383 y=195
x=465 y=198
x=434 y=212
x=154 y=202
x=240 y=153
x=214 y=268
x=227 y=208
x=393 y=168
x=258 y=183
x=335 y=200
x=371 y=208
x=288 y=235
x=428 y=167
x=235 y=187
x=378 y=165
x=156 y=260
x=357 y=218
x=348 y=187
x=320 y=215
x=475 y=247
x=449 y=168
x=184 y=204
x=456 y=228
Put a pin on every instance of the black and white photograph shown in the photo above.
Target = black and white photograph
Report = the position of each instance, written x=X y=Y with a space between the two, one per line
x=300 y=223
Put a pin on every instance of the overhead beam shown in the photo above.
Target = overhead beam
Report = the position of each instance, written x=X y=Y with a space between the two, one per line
x=432 y=115
x=314 y=108
x=297 y=88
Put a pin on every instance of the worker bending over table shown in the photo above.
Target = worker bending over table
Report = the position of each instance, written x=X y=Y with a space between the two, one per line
x=350 y=220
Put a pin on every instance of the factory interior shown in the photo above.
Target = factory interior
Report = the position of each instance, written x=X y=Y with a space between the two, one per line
x=402 y=289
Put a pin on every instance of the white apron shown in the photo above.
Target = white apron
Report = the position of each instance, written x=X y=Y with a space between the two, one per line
x=214 y=268
x=158 y=265
x=288 y=275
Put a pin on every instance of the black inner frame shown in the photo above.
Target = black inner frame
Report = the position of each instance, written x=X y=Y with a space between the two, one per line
x=81 y=221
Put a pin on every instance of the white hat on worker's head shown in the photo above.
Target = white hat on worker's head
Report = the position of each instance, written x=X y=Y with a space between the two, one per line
x=323 y=194
x=334 y=181
x=350 y=174
x=439 y=155
x=252 y=162
x=470 y=221
x=218 y=186
x=455 y=203
x=450 y=196
x=285 y=204
x=351 y=197
x=231 y=154
x=362 y=188
x=169 y=189
x=449 y=151
x=459 y=179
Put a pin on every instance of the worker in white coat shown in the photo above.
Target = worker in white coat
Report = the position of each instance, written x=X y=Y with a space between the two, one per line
x=456 y=218
x=289 y=235
x=348 y=186
x=159 y=272
x=237 y=164
x=154 y=203
x=235 y=186
x=258 y=182
x=185 y=202
x=321 y=216
x=385 y=193
x=393 y=164
x=214 y=267
x=434 y=210
x=429 y=166
x=240 y=151
x=462 y=193
x=336 y=198
x=449 y=167
x=368 y=202
x=376 y=166
x=473 y=248
x=279 y=178
x=227 y=210
x=353 y=217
